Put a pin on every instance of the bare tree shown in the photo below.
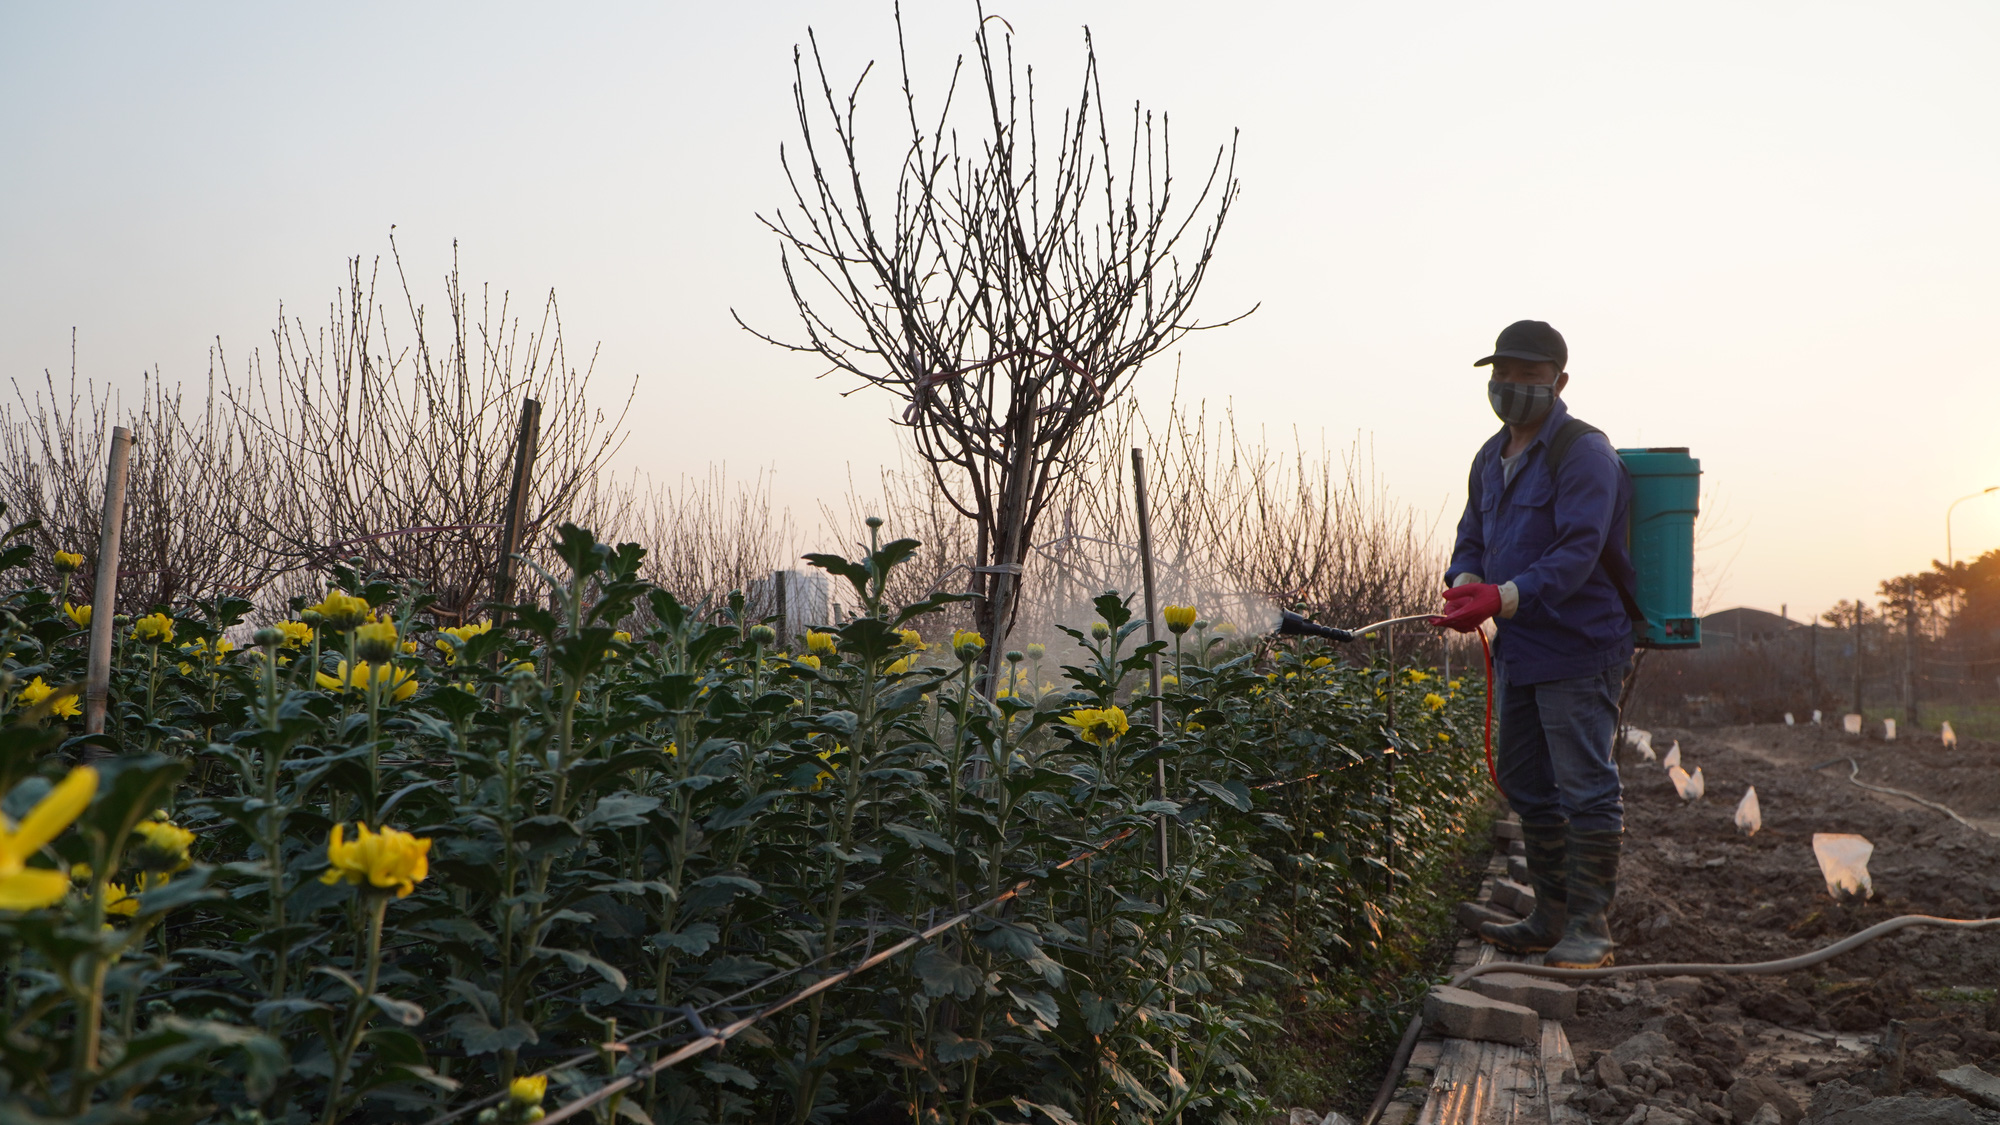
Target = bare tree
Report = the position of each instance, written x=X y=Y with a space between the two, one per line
x=398 y=448
x=195 y=486
x=1006 y=294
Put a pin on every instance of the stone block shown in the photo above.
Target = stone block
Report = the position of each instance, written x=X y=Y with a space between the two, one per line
x=1507 y=830
x=1517 y=869
x=1550 y=999
x=1471 y=914
x=1513 y=896
x=1974 y=1083
x=1463 y=1014
x=1516 y=847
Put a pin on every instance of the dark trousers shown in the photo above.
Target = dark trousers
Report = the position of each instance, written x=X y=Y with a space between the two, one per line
x=1554 y=751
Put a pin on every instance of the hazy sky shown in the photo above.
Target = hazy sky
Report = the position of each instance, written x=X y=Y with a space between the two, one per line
x=1769 y=231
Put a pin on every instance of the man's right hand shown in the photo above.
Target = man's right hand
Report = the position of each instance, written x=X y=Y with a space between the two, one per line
x=1468 y=606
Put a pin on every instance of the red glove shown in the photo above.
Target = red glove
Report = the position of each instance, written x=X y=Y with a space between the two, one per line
x=1468 y=605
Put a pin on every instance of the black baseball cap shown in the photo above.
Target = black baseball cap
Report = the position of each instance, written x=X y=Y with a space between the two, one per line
x=1534 y=340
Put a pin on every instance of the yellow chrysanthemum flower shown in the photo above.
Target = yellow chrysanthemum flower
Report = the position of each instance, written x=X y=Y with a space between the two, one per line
x=1180 y=618
x=118 y=900
x=342 y=611
x=154 y=629
x=808 y=661
x=68 y=562
x=78 y=614
x=462 y=635
x=389 y=860
x=31 y=888
x=35 y=692
x=298 y=634
x=163 y=846
x=528 y=1089
x=1098 y=726
x=399 y=682
x=913 y=639
x=1434 y=701
x=819 y=643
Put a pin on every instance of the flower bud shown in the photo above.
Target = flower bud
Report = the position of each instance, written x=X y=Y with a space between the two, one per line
x=874 y=523
x=268 y=637
x=967 y=645
x=1037 y=651
x=1099 y=630
x=1015 y=656
x=375 y=642
x=763 y=635
x=68 y=562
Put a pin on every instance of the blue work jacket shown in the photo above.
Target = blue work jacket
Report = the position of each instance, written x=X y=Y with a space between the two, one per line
x=1553 y=539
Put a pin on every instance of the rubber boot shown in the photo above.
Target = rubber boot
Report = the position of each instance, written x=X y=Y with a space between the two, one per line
x=1593 y=883
x=1547 y=847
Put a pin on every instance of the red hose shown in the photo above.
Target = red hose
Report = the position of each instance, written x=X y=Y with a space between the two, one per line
x=1490 y=770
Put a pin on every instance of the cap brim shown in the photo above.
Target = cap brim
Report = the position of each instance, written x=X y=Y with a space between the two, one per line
x=1531 y=357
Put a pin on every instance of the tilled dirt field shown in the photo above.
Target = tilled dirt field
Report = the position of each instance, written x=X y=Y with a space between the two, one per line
x=1693 y=889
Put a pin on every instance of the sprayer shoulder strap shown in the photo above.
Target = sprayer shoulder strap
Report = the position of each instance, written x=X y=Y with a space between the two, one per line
x=1557 y=450
x=1566 y=437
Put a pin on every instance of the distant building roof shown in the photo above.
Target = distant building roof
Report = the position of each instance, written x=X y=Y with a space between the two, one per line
x=1744 y=625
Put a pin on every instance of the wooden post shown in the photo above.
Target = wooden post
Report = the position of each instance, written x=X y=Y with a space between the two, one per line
x=780 y=598
x=1910 y=654
x=514 y=524
x=104 y=601
x=1159 y=710
x=1858 y=612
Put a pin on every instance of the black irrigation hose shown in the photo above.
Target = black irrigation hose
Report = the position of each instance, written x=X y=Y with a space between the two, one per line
x=1854 y=775
x=1786 y=965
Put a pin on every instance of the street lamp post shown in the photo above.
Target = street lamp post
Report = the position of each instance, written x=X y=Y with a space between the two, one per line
x=1949 y=558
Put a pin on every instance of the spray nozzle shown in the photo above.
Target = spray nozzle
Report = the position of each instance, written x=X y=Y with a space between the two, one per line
x=1292 y=625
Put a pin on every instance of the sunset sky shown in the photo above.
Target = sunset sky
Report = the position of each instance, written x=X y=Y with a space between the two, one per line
x=1769 y=232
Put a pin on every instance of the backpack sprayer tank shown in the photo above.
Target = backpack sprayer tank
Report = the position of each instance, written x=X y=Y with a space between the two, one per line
x=1666 y=489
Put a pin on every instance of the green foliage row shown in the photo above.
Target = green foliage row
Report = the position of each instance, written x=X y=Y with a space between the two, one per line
x=639 y=810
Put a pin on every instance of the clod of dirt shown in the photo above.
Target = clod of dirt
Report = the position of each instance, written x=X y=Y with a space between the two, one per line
x=1749 y=1095
x=1837 y=1103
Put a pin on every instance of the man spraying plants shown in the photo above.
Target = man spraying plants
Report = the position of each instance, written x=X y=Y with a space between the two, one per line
x=1542 y=549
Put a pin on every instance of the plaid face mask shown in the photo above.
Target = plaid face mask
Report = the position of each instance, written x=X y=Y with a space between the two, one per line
x=1518 y=404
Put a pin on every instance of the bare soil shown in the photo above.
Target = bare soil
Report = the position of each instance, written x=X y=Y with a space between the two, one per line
x=1694 y=890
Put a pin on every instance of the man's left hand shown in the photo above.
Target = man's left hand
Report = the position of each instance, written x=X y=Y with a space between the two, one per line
x=1468 y=606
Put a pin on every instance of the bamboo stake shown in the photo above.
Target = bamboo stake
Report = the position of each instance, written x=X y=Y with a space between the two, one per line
x=104 y=601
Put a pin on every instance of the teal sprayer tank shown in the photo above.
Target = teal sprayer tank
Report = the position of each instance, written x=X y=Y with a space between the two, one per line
x=1666 y=489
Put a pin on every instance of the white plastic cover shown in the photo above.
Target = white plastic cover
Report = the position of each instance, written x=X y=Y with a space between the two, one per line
x=1843 y=860
x=1815 y=716
x=1680 y=778
x=1749 y=814
x=1949 y=735
x=1673 y=758
x=1789 y=721
x=1851 y=723
x=1696 y=787
x=1888 y=730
